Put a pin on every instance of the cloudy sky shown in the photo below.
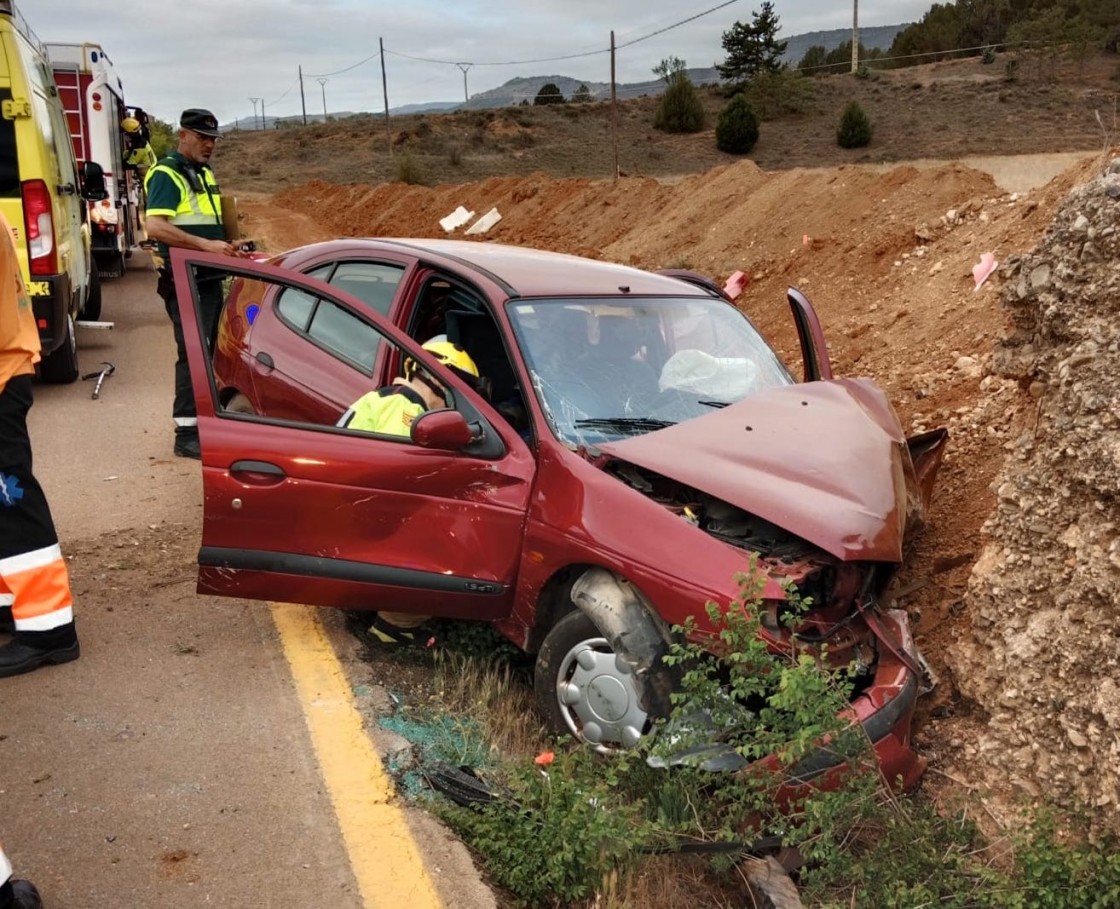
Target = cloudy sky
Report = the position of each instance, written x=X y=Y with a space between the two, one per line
x=221 y=53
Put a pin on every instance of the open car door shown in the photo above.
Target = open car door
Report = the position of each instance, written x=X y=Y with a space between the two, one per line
x=309 y=513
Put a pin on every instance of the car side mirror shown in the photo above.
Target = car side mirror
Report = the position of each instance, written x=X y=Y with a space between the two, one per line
x=445 y=430
x=93 y=182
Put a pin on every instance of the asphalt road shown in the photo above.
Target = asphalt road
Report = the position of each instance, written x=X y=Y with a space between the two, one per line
x=202 y=751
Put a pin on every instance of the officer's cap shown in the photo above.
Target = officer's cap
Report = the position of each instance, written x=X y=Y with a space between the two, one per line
x=200 y=121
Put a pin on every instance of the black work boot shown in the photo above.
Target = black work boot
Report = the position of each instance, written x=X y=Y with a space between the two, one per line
x=186 y=444
x=29 y=650
x=19 y=895
x=7 y=626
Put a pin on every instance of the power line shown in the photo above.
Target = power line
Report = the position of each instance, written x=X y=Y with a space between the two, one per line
x=347 y=69
x=669 y=28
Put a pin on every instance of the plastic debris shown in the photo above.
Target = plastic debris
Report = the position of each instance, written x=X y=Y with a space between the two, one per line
x=457 y=218
x=484 y=223
x=736 y=284
x=983 y=269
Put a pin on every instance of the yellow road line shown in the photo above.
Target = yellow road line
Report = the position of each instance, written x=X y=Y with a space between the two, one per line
x=383 y=855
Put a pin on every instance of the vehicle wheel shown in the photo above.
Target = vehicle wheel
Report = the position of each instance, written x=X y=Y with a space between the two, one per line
x=240 y=404
x=61 y=366
x=92 y=310
x=585 y=690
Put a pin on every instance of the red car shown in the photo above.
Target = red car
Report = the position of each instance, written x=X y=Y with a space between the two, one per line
x=633 y=442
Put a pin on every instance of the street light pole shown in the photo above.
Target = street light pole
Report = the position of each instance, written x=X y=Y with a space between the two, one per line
x=323 y=86
x=255 y=101
x=464 y=67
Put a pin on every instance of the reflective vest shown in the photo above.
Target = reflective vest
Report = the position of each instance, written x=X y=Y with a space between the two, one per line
x=199 y=205
x=388 y=410
x=141 y=157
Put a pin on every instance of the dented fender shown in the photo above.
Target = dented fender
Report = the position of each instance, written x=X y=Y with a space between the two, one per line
x=634 y=631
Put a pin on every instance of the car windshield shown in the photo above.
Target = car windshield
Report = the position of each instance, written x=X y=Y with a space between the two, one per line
x=605 y=369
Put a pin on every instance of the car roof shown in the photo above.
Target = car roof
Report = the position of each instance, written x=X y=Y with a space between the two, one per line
x=520 y=271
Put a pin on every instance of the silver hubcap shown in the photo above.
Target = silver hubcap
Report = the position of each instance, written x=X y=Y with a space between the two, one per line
x=597 y=695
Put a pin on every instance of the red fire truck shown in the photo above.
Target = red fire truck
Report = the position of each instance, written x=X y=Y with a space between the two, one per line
x=92 y=95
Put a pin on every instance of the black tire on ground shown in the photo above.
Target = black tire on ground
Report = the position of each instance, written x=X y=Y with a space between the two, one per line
x=61 y=366
x=92 y=310
x=239 y=404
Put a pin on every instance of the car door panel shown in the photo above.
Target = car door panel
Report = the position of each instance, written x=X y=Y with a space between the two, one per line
x=321 y=515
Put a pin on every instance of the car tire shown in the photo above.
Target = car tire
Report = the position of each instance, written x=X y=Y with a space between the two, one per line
x=240 y=404
x=583 y=689
x=91 y=312
x=61 y=365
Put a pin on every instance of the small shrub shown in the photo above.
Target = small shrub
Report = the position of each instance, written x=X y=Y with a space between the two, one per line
x=863 y=71
x=408 y=170
x=455 y=155
x=1011 y=70
x=680 y=110
x=989 y=55
x=855 y=127
x=737 y=129
x=549 y=94
x=784 y=92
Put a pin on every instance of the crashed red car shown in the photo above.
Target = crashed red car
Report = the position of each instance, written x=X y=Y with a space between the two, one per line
x=633 y=444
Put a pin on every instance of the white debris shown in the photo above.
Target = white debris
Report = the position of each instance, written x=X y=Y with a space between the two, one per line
x=484 y=223
x=457 y=218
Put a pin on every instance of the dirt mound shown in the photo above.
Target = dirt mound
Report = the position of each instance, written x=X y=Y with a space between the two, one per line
x=1039 y=653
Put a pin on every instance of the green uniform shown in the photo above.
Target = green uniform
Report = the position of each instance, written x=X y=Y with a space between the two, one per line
x=389 y=410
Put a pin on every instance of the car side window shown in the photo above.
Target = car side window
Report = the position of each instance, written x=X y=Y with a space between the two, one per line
x=295 y=307
x=344 y=334
x=374 y=283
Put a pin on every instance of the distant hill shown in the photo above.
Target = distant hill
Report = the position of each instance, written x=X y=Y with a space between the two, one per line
x=525 y=88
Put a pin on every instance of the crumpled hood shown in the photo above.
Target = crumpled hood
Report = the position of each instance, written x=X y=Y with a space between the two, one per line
x=826 y=461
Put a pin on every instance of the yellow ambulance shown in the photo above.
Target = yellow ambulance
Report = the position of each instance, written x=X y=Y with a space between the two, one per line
x=42 y=196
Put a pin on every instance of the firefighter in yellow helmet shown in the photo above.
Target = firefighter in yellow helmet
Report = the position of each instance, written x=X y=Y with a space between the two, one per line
x=138 y=154
x=392 y=410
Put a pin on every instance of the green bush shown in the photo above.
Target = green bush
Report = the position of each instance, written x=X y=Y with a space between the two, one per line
x=680 y=110
x=549 y=94
x=408 y=170
x=737 y=129
x=855 y=127
x=774 y=94
x=989 y=55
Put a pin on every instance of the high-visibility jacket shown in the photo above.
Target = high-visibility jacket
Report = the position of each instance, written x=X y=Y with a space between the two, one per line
x=187 y=195
x=19 y=335
x=141 y=157
x=389 y=410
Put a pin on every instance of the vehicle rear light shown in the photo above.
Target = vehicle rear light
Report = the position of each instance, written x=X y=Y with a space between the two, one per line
x=39 y=222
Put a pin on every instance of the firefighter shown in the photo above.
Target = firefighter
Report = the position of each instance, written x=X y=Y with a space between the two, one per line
x=16 y=894
x=35 y=601
x=185 y=209
x=392 y=410
x=138 y=153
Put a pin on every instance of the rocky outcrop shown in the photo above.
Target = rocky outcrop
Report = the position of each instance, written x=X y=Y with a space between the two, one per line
x=1041 y=659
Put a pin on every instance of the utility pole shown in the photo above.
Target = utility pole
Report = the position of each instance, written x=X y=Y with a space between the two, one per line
x=464 y=67
x=614 y=110
x=323 y=86
x=855 y=35
x=385 y=92
x=302 y=99
x=255 y=101
x=264 y=120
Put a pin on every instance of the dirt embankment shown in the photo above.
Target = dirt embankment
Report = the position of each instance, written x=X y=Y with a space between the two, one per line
x=887 y=259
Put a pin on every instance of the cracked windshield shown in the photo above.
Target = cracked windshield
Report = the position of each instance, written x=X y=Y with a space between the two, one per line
x=603 y=370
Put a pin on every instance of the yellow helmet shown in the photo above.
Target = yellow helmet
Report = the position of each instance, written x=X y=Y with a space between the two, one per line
x=130 y=125
x=451 y=356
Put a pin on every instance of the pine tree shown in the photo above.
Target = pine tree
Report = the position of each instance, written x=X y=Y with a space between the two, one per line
x=752 y=49
x=737 y=129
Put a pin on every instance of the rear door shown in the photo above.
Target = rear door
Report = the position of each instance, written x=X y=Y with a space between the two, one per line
x=307 y=512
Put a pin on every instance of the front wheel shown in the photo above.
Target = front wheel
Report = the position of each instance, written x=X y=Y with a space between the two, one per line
x=586 y=690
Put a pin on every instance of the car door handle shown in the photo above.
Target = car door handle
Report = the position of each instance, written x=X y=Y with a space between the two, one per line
x=257 y=473
x=67 y=189
x=265 y=360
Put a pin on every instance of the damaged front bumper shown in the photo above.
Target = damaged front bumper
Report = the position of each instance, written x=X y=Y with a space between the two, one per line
x=883 y=713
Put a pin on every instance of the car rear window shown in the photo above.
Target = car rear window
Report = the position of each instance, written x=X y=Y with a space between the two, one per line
x=9 y=163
